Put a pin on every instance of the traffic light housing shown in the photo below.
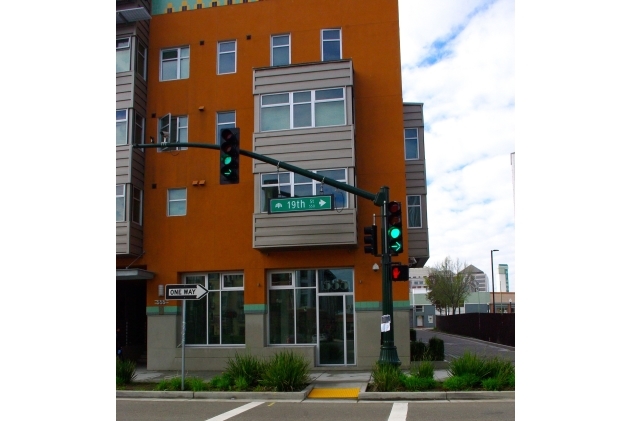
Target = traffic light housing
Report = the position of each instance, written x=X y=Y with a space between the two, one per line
x=399 y=272
x=394 y=228
x=370 y=240
x=229 y=156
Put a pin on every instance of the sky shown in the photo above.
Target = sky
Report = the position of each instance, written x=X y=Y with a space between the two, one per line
x=458 y=59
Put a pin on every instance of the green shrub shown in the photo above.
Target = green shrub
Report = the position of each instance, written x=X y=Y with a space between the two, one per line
x=241 y=383
x=498 y=367
x=491 y=383
x=417 y=350
x=464 y=382
x=469 y=363
x=174 y=383
x=221 y=382
x=247 y=367
x=125 y=371
x=196 y=384
x=425 y=369
x=416 y=384
x=285 y=372
x=436 y=349
x=386 y=377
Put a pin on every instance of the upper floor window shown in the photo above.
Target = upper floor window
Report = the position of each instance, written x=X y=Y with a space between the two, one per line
x=226 y=57
x=123 y=54
x=176 y=202
x=141 y=60
x=289 y=184
x=294 y=110
x=331 y=44
x=411 y=144
x=136 y=206
x=139 y=130
x=174 y=63
x=120 y=203
x=414 y=212
x=225 y=120
x=173 y=129
x=121 y=127
x=281 y=52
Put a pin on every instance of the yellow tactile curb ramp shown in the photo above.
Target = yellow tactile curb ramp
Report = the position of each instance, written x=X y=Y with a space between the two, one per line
x=334 y=393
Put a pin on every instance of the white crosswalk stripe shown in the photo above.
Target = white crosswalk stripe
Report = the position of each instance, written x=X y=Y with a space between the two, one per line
x=399 y=412
x=236 y=411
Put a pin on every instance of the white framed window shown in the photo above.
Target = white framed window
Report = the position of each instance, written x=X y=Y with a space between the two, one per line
x=331 y=44
x=141 y=60
x=289 y=184
x=173 y=129
x=225 y=120
x=123 y=54
x=174 y=63
x=219 y=317
x=136 y=206
x=120 y=203
x=139 y=130
x=411 y=144
x=303 y=109
x=280 y=50
x=414 y=212
x=226 y=57
x=176 y=202
x=121 y=127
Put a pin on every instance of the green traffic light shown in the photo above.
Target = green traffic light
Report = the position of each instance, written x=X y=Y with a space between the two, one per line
x=394 y=232
x=227 y=160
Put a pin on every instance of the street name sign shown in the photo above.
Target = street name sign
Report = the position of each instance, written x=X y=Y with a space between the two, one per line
x=301 y=204
x=185 y=292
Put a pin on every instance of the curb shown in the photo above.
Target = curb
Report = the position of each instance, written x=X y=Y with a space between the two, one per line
x=302 y=395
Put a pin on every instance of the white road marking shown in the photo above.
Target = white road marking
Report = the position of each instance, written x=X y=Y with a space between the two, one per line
x=236 y=411
x=399 y=412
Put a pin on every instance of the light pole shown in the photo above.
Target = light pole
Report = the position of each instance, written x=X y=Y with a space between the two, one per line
x=493 y=279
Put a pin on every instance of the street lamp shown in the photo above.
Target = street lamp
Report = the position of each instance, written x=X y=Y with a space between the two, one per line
x=493 y=279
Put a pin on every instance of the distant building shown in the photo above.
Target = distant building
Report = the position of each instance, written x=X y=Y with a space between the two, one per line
x=480 y=279
x=502 y=269
x=417 y=279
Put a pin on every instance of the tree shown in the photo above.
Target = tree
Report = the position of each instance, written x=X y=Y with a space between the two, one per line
x=448 y=284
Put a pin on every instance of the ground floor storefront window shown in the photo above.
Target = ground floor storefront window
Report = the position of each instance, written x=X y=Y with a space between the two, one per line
x=314 y=306
x=218 y=318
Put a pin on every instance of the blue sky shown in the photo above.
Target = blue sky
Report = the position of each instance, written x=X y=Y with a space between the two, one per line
x=457 y=57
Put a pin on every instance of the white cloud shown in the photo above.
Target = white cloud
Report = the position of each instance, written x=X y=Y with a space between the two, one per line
x=457 y=58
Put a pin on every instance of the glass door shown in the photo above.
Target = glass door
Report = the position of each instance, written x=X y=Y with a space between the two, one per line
x=336 y=329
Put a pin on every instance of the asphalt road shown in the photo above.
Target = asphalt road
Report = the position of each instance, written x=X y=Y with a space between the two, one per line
x=455 y=346
x=201 y=410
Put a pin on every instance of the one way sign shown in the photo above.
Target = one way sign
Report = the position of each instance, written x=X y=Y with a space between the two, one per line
x=185 y=292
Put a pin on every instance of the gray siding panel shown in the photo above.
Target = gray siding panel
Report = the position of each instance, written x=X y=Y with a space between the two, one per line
x=416 y=184
x=311 y=149
x=327 y=147
x=122 y=238
x=306 y=229
x=123 y=171
x=124 y=87
x=309 y=76
x=135 y=239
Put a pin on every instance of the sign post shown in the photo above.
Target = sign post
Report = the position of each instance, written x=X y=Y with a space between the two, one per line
x=184 y=292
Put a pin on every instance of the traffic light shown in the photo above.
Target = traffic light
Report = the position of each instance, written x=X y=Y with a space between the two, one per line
x=229 y=157
x=394 y=228
x=400 y=272
x=370 y=240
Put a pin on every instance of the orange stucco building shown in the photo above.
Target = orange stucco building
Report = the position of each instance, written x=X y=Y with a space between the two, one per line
x=314 y=83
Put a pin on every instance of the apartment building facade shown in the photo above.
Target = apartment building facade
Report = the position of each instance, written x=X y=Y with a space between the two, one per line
x=315 y=84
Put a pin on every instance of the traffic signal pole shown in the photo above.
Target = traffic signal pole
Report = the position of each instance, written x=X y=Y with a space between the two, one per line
x=388 y=353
